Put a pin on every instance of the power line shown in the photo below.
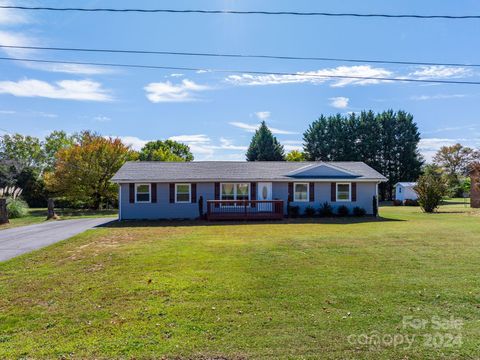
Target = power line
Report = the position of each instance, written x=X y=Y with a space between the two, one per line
x=242 y=56
x=239 y=12
x=254 y=72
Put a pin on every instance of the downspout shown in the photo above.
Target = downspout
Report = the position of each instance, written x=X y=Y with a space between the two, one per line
x=119 y=202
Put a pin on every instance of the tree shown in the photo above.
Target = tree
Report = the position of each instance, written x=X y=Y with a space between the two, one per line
x=454 y=159
x=54 y=142
x=167 y=150
x=83 y=171
x=295 y=155
x=26 y=151
x=387 y=141
x=430 y=189
x=264 y=146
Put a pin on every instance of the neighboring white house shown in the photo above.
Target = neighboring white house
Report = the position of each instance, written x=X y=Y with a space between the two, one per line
x=404 y=191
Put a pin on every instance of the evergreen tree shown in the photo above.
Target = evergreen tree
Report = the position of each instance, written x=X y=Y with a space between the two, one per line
x=264 y=146
x=388 y=142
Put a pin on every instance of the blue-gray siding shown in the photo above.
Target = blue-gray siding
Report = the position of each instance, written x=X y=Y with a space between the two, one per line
x=163 y=209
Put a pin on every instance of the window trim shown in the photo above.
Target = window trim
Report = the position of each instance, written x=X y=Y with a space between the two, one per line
x=349 y=192
x=149 y=193
x=308 y=192
x=189 y=193
x=235 y=190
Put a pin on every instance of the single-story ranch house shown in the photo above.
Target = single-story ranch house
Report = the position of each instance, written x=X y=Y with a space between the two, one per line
x=239 y=190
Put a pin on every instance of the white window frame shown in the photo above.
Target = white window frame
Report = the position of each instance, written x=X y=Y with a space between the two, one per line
x=308 y=192
x=149 y=193
x=189 y=193
x=234 y=190
x=349 y=192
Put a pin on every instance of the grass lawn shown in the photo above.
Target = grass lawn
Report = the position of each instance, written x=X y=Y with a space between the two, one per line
x=36 y=216
x=263 y=290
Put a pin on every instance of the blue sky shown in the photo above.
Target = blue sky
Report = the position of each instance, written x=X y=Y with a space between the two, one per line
x=215 y=113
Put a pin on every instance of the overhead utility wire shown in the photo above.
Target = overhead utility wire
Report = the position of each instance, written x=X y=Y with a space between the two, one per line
x=245 y=71
x=239 y=12
x=242 y=56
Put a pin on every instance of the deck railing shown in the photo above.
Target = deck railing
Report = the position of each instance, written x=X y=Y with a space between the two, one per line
x=244 y=209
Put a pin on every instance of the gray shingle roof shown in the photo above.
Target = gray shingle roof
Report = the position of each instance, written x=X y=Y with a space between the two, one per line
x=155 y=171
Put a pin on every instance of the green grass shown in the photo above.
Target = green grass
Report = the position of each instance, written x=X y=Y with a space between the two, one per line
x=37 y=215
x=262 y=290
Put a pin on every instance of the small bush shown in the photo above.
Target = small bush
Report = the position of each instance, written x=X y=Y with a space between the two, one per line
x=326 y=209
x=430 y=189
x=358 y=211
x=343 y=210
x=309 y=211
x=16 y=208
x=397 y=203
x=293 y=211
x=410 y=202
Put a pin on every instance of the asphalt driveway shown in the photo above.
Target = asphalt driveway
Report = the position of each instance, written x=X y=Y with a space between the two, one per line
x=20 y=240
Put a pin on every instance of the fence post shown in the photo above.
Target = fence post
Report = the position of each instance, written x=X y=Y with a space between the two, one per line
x=3 y=211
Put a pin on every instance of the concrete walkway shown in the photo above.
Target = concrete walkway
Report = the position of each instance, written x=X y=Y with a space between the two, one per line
x=23 y=239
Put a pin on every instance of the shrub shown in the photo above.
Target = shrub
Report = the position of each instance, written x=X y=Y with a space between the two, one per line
x=309 y=211
x=430 y=189
x=410 y=202
x=326 y=209
x=293 y=211
x=397 y=203
x=358 y=211
x=16 y=208
x=343 y=210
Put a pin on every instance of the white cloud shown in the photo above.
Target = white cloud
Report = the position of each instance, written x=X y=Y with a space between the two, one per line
x=82 y=90
x=176 y=75
x=437 y=72
x=8 y=112
x=438 y=97
x=11 y=16
x=429 y=146
x=169 y=92
x=469 y=127
x=202 y=146
x=45 y=115
x=133 y=141
x=251 y=128
x=101 y=118
x=228 y=144
x=200 y=138
x=317 y=77
x=19 y=39
x=262 y=115
x=339 y=102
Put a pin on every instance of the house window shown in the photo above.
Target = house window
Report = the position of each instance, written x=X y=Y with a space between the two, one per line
x=142 y=193
x=301 y=192
x=183 y=193
x=399 y=190
x=239 y=191
x=343 y=192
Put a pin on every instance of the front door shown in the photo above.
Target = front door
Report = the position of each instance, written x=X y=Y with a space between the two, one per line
x=264 y=193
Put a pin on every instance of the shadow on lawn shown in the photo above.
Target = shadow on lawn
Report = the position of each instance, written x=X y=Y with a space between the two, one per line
x=173 y=223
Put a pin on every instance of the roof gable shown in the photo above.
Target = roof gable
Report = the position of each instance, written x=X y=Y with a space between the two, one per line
x=322 y=171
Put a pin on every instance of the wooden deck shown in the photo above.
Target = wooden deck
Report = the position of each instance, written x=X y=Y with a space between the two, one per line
x=244 y=209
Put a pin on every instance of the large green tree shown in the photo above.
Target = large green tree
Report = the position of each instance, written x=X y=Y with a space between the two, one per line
x=264 y=146
x=386 y=141
x=167 y=150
